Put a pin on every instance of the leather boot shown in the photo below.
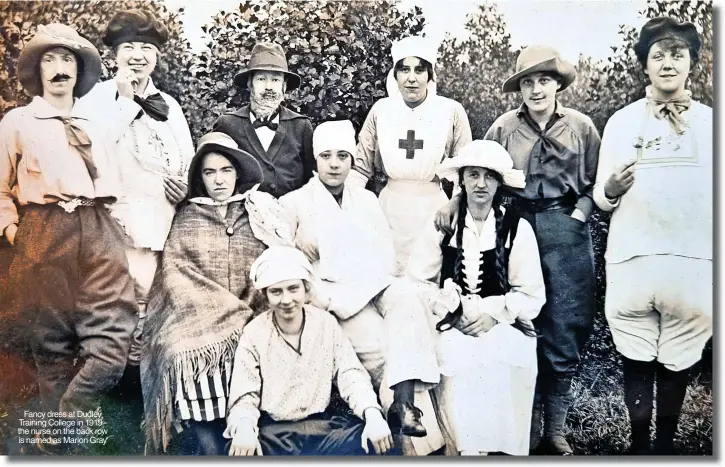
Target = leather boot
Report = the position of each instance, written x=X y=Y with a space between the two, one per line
x=671 y=390
x=638 y=397
x=404 y=417
x=556 y=406
x=537 y=423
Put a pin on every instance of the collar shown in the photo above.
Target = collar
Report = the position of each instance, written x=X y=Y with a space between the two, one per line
x=150 y=90
x=253 y=118
x=283 y=114
x=321 y=186
x=559 y=110
x=43 y=110
x=206 y=201
x=281 y=334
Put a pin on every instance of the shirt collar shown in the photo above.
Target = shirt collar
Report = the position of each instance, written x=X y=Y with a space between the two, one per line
x=43 y=110
x=281 y=335
x=558 y=110
x=253 y=118
x=207 y=201
x=150 y=90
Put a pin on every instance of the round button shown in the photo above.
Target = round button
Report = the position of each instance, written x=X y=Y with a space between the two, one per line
x=230 y=231
x=273 y=187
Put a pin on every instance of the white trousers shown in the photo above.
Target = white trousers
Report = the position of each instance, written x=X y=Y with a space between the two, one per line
x=142 y=265
x=660 y=307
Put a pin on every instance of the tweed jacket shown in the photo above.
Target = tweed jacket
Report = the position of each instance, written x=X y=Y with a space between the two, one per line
x=289 y=162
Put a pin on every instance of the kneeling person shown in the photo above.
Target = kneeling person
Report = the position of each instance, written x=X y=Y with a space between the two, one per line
x=284 y=368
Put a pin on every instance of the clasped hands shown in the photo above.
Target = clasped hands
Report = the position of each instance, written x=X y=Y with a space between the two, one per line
x=477 y=318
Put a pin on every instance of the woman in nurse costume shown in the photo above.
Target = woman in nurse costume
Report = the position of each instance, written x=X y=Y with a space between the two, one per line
x=403 y=141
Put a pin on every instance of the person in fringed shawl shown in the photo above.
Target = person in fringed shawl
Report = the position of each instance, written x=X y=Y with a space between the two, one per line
x=200 y=301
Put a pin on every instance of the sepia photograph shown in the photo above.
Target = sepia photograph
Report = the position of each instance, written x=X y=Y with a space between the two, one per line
x=356 y=228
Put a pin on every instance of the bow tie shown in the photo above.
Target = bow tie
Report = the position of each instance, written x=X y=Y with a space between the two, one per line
x=154 y=105
x=260 y=122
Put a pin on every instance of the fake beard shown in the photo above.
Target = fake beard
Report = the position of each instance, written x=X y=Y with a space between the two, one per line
x=265 y=104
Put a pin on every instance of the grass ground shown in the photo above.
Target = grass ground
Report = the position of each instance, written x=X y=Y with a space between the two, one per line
x=597 y=422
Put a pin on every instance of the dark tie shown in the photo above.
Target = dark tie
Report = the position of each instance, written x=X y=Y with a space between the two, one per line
x=260 y=122
x=154 y=105
x=79 y=139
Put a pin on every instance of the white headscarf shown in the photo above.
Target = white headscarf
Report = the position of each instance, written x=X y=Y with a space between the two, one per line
x=335 y=135
x=277 y=264
x=413 y=46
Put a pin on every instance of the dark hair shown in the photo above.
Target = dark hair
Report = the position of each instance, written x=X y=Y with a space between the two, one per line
x=500 y=249
x=672 y=43
x=426 y=64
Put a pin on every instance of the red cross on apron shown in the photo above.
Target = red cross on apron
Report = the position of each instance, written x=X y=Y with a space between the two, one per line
x=410 y=144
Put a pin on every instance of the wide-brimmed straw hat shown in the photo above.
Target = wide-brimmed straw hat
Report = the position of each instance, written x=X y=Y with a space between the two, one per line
x=267 y=56
x=58 y=35
x=540 y=58
x=487 y=154
x=664 y=27
x=224 y=144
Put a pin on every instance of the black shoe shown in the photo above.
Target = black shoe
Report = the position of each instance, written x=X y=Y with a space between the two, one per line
x=404 y=417
x=555 y=445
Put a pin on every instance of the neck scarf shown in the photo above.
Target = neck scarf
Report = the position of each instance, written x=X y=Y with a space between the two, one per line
x=154 y=105
x=670 y=109
x=78 y=138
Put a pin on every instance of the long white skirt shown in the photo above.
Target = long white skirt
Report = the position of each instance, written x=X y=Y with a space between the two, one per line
x=486 y=391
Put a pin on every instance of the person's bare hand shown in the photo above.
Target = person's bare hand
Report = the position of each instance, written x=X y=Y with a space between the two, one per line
x=126 y=82
x=10 y=232
x=175 y=189
x=447 y=216
x=621 y=180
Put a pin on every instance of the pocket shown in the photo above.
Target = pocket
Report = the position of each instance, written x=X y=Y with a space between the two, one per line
x=30 y=163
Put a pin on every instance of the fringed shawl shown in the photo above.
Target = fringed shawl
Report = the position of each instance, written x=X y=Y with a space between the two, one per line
x=200 y=301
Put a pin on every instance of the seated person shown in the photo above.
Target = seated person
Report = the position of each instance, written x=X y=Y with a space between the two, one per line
x=200 y=301
x=492 y=287
x=343 y=232
x=285 y=365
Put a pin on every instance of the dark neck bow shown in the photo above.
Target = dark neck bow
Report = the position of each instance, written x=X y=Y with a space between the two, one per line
x=154 y=105
x=268 y=122
x=78 y=138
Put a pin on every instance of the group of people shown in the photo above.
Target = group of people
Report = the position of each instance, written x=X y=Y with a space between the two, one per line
x=237 y=289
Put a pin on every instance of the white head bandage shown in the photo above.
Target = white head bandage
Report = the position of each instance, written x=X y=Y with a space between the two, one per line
x=278 y=264
x=335 y=135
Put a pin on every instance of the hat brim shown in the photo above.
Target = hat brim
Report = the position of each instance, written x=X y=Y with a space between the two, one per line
x=554 y=65
x=251 y=169
x=29 y=71
x=293 y=79
x=511 y=177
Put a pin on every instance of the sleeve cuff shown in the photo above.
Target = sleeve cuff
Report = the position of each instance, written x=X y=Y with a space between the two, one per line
x=585 y=205
x=604 y=203
x=239 y=413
